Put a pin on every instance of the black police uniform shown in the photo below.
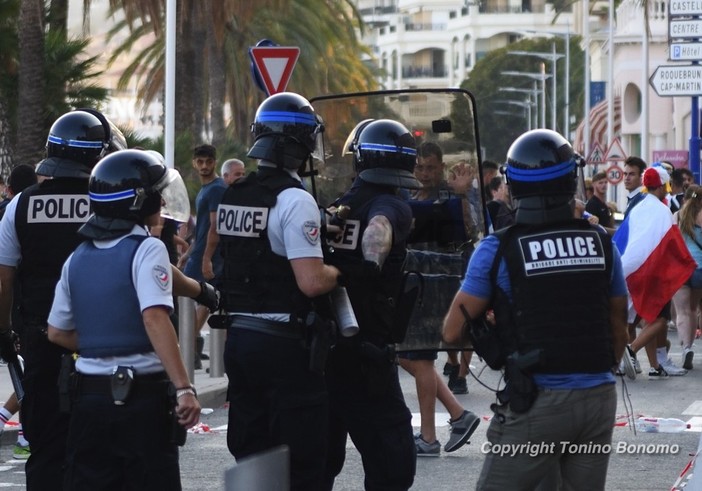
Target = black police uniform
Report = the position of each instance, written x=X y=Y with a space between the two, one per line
x=274 y=397
x=47 y=219
x=366 y=400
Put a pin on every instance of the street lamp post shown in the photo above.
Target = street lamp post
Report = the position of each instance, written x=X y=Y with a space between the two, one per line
x=553 y=57
x=526 y=105
x=535 y=76
x=532 y=93
x=566 y=100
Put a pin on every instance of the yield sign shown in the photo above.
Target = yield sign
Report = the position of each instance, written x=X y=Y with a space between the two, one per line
x=275 y=65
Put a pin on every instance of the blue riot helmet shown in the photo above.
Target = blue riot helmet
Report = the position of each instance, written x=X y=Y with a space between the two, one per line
x=285 y=130
x=541 y=171
x=134 y=184
x=77 y=141
x=384 y=152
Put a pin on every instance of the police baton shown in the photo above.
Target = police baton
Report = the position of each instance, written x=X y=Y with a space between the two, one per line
x=16 y=368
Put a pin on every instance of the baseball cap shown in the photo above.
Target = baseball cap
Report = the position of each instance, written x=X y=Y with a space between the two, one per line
x=655 y=177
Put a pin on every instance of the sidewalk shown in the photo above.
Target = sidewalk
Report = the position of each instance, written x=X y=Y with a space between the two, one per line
x=211 y=392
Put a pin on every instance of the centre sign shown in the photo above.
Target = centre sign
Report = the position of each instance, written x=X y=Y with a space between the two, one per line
x=677 y=80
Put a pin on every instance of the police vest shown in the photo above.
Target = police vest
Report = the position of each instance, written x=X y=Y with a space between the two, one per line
x=256 y=279
x=560 y=277
x=47 y=220
x=373 y=299
x=107 y=312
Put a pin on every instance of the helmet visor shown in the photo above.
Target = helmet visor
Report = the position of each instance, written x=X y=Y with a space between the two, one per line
x=176 y=204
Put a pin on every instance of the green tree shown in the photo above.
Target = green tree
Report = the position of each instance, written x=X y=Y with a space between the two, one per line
x=330 y=61
x=498 y=131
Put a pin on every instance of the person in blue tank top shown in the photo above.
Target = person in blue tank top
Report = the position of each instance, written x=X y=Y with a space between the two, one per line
x=558 y=294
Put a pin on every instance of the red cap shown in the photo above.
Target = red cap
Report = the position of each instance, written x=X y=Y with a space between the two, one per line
x=655 y=177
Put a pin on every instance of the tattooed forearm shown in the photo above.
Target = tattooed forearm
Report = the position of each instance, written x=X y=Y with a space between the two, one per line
x=377 y=240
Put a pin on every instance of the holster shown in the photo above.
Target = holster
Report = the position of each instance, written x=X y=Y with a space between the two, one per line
x=178 y=432
x=377 y=366
x=67 y=380
x=320 y=337
x=521 y=389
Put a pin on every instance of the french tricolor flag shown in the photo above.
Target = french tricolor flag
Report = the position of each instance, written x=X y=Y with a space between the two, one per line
x=655 y=259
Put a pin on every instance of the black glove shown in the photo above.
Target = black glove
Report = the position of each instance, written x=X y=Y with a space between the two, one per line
x=8 y=352
x=208 y=297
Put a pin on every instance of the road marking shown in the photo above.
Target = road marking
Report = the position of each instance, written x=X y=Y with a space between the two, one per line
x=694 y=409
x=440 y=419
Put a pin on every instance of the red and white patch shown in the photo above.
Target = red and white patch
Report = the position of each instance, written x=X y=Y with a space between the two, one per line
x=311 y=231
x=162 y=276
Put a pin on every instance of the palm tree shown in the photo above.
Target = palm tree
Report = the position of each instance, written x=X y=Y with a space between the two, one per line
x=331 y=58
x=30 y=114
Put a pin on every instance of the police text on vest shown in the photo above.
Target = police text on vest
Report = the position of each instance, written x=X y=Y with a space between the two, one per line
x=562 y=251
x=241 y=221
x=61 y=208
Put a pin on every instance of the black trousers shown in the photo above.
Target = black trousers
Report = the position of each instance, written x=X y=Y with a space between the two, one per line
x=124 y=447
x=366 y=403
x=274 y=400
x=44 y=426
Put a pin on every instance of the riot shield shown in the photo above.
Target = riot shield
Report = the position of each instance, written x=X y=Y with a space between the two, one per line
x=447 y=226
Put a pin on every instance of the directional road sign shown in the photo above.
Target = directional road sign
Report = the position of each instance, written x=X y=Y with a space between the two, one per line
x=685 y=29
x=685 y=52
x=685 y=7
x=275 y=65
x=677 y=80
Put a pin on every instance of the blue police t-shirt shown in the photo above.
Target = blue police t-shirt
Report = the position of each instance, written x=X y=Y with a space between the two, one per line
x=477 y=283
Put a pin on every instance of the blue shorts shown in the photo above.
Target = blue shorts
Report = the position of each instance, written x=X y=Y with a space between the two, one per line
x=418 y=355
x=695 y=280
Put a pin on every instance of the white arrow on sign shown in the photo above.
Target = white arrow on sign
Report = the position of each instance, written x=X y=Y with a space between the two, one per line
x=685 y=29
x=685 y=52
x=685 y=7
x=677 y=80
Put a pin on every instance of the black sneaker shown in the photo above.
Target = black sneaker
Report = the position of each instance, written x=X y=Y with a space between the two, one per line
x=458 y=385
x=461 y=430
x=657 y=373
x=450 y=368
x=688 y=355
x=426 y=449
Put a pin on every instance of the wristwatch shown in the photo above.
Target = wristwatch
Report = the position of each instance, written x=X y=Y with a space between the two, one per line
x=185 y=390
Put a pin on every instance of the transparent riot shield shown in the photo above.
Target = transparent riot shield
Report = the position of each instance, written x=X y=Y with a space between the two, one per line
x=447 y=225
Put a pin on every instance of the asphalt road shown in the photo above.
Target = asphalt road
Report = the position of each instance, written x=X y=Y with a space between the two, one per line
x=205 y=457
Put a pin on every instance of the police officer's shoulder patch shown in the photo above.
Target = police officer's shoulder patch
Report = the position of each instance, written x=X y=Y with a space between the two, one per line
x=310 y=230
x=162 y=276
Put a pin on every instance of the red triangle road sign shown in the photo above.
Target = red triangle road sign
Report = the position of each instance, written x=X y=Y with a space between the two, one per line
x=275 y=65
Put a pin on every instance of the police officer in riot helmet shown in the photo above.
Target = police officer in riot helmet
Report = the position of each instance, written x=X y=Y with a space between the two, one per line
x=269 y=229
x=365 y=397
x=130 y=378
x=565 y=279
x=39 y=230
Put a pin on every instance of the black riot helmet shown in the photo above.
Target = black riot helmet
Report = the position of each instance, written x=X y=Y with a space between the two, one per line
x=285 y=130
x=384 y=152
x=132 y=185
x=542 y=171
x=77 y=141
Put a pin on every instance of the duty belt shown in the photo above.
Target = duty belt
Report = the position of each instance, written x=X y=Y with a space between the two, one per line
x=286 y=330
x=102 y=384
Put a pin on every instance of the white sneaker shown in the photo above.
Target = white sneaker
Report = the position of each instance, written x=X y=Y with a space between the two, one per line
x=626 y=366
x=637 y=366
x=672 y=369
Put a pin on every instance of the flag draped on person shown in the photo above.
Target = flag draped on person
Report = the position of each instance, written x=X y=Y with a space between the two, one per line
x=655 y=259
